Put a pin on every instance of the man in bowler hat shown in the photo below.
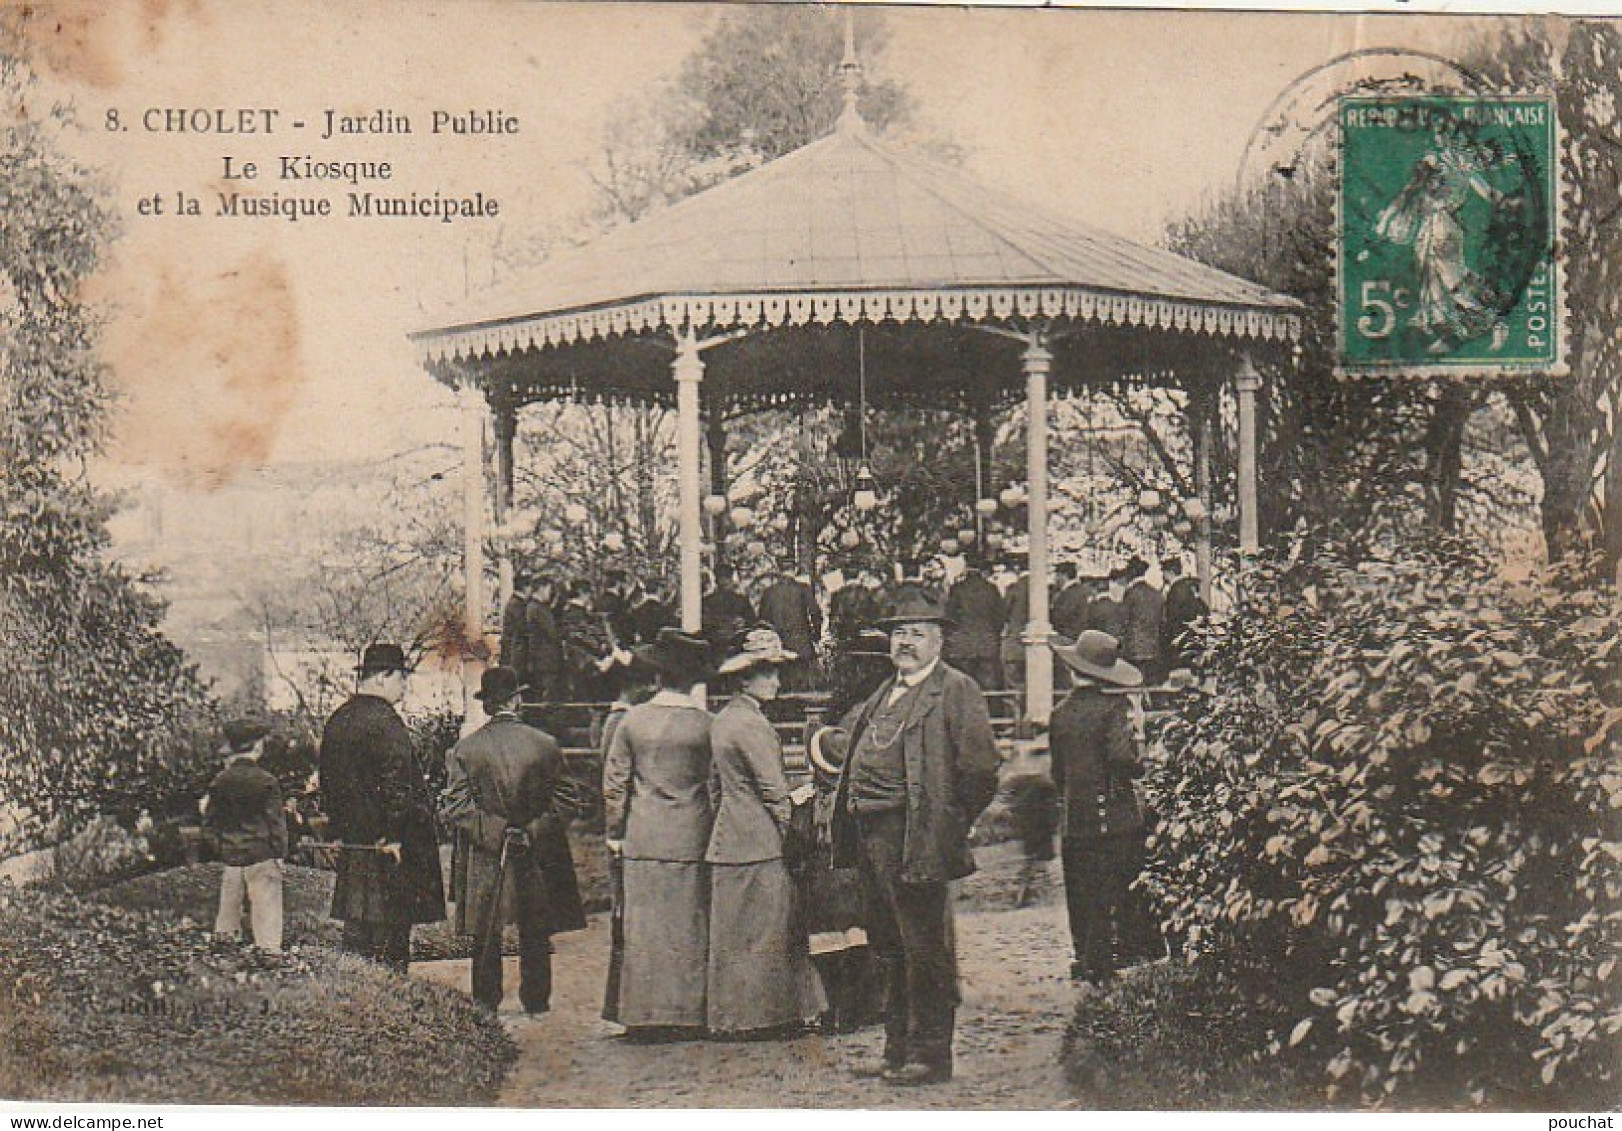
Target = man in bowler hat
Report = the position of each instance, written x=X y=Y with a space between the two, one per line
x=508 y=793
x=378 y=807
x=922 y=765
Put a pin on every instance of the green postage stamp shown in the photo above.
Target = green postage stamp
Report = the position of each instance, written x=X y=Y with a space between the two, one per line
x=1447 y=225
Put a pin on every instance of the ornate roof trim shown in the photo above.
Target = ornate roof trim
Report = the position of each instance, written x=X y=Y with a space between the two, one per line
x=765 y=310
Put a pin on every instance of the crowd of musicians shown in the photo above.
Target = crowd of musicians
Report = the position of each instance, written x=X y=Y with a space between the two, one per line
x=569 y=638
x=743 y=907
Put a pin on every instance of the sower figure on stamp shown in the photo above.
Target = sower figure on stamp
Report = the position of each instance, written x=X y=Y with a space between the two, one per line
x=245 y=815
x=922 y=766
x=506 y=790
x=379 y=809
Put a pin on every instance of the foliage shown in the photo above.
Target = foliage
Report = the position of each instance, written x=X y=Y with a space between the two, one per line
x=433 y=733
x=799 y=473
x=764 y=81
x=584 y=473
x=93 y=698
x=1570 y=423
x=1397 y=823
x=101 y=851
x=1397 y=444
x=102 y=1003
x=1166 y=1037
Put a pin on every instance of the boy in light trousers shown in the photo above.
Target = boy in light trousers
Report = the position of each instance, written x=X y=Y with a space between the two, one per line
x=244 y=811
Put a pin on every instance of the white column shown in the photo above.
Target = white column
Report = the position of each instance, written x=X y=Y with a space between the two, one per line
x=1248 y=383
x=474 y=488
x=1038 y=659
x=688 y=370
x=506 y=426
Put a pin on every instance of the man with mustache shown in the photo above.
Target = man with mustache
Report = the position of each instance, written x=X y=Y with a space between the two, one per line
x=922 y=766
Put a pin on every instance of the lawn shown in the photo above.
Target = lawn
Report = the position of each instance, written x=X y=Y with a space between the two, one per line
x=99 y=1002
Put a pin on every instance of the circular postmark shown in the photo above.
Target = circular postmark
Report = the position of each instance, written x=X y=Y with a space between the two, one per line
x=1446 y=200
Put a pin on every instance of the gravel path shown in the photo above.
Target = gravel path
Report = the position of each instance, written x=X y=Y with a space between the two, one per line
x=1017 y=1000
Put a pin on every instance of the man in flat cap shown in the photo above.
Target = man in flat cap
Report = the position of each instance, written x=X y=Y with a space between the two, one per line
x=244 y=813
x=922 y=765
x=378 y=807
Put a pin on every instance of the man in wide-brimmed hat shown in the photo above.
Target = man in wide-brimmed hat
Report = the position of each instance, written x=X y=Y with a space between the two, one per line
x=1094 y=763
x=378 y=807
x=921 y=766
x=508 y=794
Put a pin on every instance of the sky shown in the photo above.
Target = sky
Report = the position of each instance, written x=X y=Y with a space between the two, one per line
x=241 y=343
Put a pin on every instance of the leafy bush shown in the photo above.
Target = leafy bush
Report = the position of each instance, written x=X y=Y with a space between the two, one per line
x=100 y=1003
x=99 y=853
x=1398 y=823
x=1162 y=1037
x=93 y=698
x=434 y=733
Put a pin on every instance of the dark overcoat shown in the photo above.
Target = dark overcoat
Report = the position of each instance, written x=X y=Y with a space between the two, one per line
x=1095 y=761
x=532 y=646
x=504 y=775
x=976 y=607
x=1183 y=607
x=951 y=763
x=372 y=792
x=1141 y=610
x=789 y=605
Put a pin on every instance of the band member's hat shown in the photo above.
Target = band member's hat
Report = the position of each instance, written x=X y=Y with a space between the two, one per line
x=679 y=654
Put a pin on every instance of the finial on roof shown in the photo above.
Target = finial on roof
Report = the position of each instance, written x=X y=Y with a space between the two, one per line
x=850 y=74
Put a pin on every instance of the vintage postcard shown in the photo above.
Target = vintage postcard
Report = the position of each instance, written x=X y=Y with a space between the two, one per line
x=604 y=555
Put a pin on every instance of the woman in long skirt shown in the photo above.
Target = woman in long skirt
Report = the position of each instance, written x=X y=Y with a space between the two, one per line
x=658 y=812
x=761 y=982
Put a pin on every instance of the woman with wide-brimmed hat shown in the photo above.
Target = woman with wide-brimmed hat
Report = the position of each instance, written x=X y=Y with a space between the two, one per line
x=761 y=982
x=658 y=813
x=1094 y=763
